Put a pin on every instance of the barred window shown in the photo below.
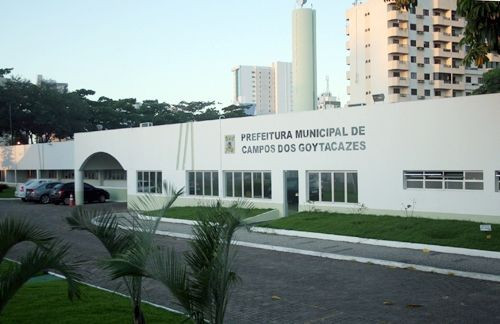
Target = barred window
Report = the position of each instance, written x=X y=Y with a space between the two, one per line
x=52 y=174
x=444 y=180
x=31 y=174
x=90 y=175
x=149 y=182
x=203 y=183
x=67 y=174
x=115 y=175
x=248 y=184
x=333 y=186
x=497 y=181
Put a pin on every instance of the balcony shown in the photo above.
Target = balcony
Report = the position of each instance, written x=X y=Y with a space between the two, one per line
x=441 y=20
x=397 y=15
x=398 y=82
x=347 y=30
x=348 y=60
x=441 y=52
x=443 y=37
x=397 y=32
x=460 y=54
x=398 y=97
x=348 y=75
x=398 y=65
x=397 y=48
x=348 y=45
x=458 y=22
x=443 y=4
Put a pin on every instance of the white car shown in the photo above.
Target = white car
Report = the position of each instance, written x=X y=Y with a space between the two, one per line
x=29 y=185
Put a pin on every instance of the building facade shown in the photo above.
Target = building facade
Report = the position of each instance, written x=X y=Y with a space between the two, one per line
x=267 y=89
x=439 y=156
x=51 y=84
x=402 y=56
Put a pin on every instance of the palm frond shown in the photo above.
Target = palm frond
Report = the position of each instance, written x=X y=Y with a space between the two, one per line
x=39 y=259
x=153 y=202
x=15 y=230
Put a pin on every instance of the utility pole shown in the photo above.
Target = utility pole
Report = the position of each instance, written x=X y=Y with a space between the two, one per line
x=10 y=121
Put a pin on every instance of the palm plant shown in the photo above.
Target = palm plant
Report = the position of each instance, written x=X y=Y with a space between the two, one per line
x=49 y=253
x=129 y=236
x=202 y=282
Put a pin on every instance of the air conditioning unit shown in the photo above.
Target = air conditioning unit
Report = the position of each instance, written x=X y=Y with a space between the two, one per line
x=420 y=64
x=146 y=124
x=420 y=48
x=421 y=97
x=420 y=81
x=420 y=16
x=420 y=32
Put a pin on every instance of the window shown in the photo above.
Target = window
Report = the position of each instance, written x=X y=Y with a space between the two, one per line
x=90 y=175
x=426 y=28
x=67 y=174
x=412 y=10
x=2 y=175
x=413 y=27
x=426 y=60
x=248 y=184
x=427 y=76
x=333 y=186
x=413 y=92
x=115 y=175
x=427 y=92
x=426 y=44
x=468 y=79
x=203 y=183
x=497 y=181
x=413 y=75
x=447 y=180
x=149 y=182
x=413 y=42
x=52 y=174
x=396 y=90
x=413 y=59
x=426 y=12
x=437 y=92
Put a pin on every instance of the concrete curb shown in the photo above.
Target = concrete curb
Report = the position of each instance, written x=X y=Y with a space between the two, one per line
x=340 y=257
x=9 y=199
x=391 y=244
x=168 y=220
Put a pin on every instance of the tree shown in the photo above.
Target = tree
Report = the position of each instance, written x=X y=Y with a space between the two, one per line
x=482 y=31
x=5 y=71
x=404 y=4
x=129 y=239
x=234 y=111
x=202 y=281
x=491 y=82
x=48 y=254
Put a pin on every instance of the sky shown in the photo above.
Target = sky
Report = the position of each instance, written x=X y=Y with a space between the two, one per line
x=163 y=49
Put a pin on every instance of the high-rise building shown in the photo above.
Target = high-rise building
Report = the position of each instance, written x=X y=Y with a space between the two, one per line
x=396 y=55
x=267 y=89
x=304 y=59
x=52 y=84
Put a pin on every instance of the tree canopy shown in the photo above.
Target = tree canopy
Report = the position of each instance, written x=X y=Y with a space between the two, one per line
x=46 y=114
x=491 y=82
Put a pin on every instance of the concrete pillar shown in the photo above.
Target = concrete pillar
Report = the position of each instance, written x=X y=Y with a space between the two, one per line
x=38 y=174
x=78 y=187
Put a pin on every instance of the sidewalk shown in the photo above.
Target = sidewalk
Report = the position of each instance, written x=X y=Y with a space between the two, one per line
x=420 y=260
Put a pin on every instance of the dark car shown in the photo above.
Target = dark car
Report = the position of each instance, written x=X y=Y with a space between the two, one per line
x=41 y=193
x=61 y=193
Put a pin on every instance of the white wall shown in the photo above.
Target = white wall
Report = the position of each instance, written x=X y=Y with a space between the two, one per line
x=48 y=156
x=447 y=134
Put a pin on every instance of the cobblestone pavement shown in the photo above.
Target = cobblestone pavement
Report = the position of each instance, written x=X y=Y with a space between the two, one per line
x=288 y=288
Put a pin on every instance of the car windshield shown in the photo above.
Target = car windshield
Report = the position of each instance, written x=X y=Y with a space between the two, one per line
x=58 y=186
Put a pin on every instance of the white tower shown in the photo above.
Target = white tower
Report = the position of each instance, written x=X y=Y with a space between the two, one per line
x=304 y=58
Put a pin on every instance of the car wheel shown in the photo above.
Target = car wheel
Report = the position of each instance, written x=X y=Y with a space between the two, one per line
x=44 y=199
x=102 y=198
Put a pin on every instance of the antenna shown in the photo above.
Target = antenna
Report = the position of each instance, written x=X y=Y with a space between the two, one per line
x=327 y=83
x=301 y=3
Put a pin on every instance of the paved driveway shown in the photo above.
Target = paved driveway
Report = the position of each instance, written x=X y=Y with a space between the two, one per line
x=305 y=289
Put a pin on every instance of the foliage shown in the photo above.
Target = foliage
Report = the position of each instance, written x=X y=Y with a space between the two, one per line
x=48 y=254
x=193 y=213
x=129 y=238
x=404 y=4
x=3 y=187
x=46 y=114
x=482 y=31
x=202 y=281
x=491 y=82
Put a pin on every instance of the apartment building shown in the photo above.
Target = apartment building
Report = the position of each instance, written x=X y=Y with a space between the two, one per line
x=267 y=89
x=396 y=55
x=52 y=84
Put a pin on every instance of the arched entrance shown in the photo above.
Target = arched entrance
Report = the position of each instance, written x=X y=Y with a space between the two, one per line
x=104 y=171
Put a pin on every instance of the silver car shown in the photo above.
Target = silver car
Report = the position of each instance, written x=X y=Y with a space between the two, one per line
x=41 y=193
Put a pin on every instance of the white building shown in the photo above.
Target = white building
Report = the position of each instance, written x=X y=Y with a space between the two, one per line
x=441 y=156
x=407 y=55
x=268 y=89
x=52 y=84
x=326 y=100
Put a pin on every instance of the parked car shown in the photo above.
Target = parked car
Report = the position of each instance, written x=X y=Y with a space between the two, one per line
x=29 y=185
x=41 y=193
x=62 y=192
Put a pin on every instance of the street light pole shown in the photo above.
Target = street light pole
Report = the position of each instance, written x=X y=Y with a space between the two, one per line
x=10 y=121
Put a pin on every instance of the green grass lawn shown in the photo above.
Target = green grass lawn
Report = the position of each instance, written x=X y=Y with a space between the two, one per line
x=8 y=193
x=407 y=229
x=191 y=213
x=47 y=302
